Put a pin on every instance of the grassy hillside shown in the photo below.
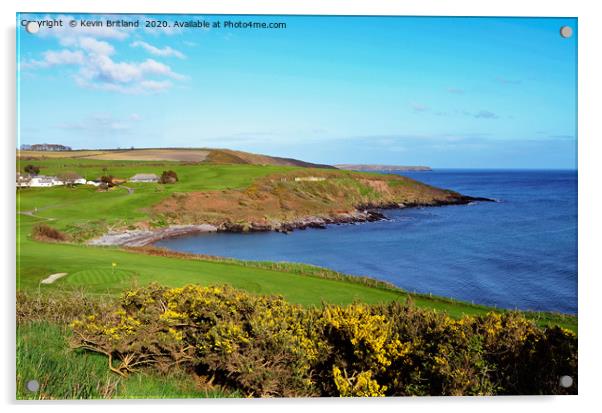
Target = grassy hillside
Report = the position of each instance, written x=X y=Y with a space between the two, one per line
x=213 y=156
x=85 y=205
x=299 y=193
x=210 y=193
x=238 y=157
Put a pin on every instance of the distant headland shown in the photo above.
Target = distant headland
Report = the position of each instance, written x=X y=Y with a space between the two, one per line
x=386 y=168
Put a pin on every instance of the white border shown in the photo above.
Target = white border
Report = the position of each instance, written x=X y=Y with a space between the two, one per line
x=590 y=68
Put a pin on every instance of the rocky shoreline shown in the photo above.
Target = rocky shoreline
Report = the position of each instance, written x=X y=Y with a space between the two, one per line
x=140 y=238
x=363 y=213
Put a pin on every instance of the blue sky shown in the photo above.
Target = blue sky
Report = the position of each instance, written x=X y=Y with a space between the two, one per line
x=443 y=92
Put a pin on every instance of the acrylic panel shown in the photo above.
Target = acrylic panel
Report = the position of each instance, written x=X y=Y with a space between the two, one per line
x=295 y=206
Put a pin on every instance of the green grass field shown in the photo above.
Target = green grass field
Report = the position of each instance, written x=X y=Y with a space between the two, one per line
x=42 y=350
x=43 y=354
x=99 y=277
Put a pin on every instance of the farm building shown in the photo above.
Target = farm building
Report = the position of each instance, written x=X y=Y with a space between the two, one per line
x=144 y=178
x=43 y=181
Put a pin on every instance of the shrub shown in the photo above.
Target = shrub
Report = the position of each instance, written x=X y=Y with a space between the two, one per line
x=361 y=343
x=43 y=232
x=32 y=169
x=257 y=344
x=168 y=177
x=264 y=346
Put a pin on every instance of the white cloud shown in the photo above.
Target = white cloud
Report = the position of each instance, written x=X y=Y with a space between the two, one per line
x=63 y=57
x=153 y=67
x=99 y=70
x=56 y=57
x=94 y=46
x=165 y=52
x=104 y=69
x=155 y=85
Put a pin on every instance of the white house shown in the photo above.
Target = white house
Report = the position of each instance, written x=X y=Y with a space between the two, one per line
x=148 y=178
x=72 y=181
x=44 y=181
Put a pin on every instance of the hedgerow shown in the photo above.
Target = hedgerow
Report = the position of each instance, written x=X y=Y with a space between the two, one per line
x=264 y=346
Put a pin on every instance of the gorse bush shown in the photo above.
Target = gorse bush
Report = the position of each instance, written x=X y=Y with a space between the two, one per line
x=264 y=346
x=260 y=345
x=59 y=308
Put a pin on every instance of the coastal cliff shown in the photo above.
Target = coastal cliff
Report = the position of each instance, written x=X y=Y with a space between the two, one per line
x=284 y=202
x=303 y=199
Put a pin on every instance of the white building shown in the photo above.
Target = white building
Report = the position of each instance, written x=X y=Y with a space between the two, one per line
x=148 y=178
x=43 y=181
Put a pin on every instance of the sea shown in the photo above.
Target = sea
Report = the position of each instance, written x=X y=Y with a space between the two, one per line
x=517 y=253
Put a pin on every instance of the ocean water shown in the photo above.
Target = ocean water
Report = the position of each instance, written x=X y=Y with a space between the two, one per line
x=520 y=252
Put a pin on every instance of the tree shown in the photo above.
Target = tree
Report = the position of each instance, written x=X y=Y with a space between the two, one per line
x=32 y=169
x=107 y=180
x=68 y=178
x=168 y=177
